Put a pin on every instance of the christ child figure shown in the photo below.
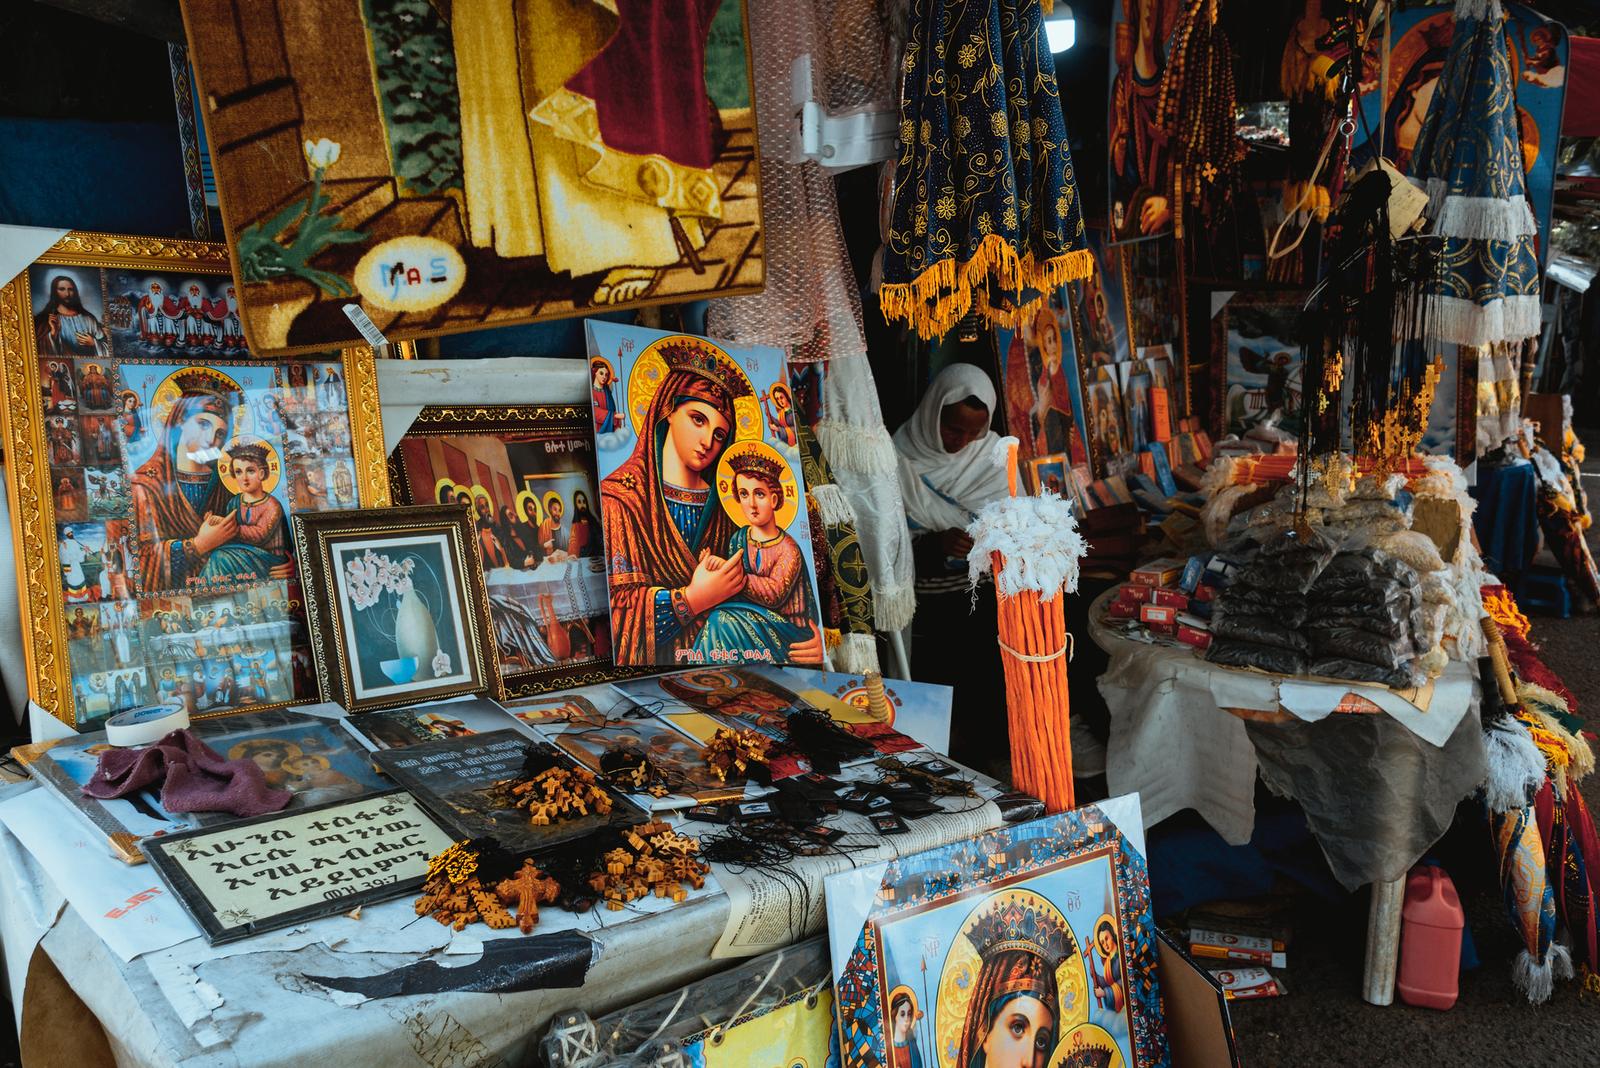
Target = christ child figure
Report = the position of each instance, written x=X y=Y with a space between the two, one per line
x=774 y=563
x=262 y=525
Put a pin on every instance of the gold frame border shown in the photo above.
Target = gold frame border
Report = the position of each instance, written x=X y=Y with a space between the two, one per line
x=32 y=503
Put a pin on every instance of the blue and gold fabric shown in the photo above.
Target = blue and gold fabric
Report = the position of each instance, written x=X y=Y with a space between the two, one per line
x=985 y=212
x=1469 y=158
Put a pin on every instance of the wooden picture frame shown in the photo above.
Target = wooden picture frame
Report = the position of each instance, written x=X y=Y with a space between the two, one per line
x=551 y=622
x=418 y=572
x=88 y=390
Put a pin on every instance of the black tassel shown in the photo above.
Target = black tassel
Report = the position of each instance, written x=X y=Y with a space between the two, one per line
x=824 y=743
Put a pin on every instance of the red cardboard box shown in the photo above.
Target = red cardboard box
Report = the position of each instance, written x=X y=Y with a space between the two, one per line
x=1132 y=593
x=1194 y=636
x=1158 y=614
x=1120 y=609
x=1163 y=572
x=1169 y=597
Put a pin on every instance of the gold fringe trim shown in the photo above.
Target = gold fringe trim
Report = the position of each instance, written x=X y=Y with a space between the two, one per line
x=1540 y=702
x=941 y=296
x=832 y=637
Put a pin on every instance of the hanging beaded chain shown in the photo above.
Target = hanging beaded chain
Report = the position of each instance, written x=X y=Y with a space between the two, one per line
x=1197 y=110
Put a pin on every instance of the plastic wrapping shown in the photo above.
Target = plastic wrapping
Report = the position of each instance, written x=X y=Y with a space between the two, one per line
x=1336 y=667
x=1292 y=560
x=1353 y=643
x=1416 y=549
x=1386 y=620
x=787 y=993
x=1375 y=487
x=1259 y=629
x=1285 y=609
x=1235 y=653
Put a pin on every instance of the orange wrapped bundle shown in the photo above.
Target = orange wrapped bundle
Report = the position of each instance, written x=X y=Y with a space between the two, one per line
x=1032 y=547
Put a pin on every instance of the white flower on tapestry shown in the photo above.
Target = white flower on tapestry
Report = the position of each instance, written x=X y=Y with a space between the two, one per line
x=322 y=153
x=441 y=664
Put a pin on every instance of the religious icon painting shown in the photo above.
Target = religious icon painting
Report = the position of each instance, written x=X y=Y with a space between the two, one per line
x=528 y=475
x=1049 y=474
x=1255 y=358
x=1031 y=944
x=1139 y=180
x=1392 y=114
x=454 y=167
x=1099 y=314
x=163 y=457
x=706 y=531
x=396 y=606
x=916 y=710
x=1108 y=432
x=671 y=754
x=1039 y=374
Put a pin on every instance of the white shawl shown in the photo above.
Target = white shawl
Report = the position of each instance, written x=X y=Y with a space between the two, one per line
x=943 y=490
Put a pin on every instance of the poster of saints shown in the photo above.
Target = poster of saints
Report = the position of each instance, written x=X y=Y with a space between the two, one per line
x=706 y=530
x=454 y=167
x=171 y=462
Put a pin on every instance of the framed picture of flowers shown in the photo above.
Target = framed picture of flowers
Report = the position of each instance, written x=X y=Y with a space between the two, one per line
x=396 y=605
x=153 y=464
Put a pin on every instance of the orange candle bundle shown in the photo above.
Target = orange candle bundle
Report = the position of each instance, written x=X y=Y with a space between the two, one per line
x=1032 y=547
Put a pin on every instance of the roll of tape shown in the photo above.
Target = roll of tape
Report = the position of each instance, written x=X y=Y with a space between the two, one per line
x=141 y=726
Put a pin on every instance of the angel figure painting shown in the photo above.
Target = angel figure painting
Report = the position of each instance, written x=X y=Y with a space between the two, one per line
x=702 y=500
x=455 y=164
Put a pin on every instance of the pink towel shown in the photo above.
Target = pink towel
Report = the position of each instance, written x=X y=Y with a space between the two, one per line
x=196 y=778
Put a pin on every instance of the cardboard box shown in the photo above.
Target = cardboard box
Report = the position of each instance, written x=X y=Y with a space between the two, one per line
x=1195 y=636
x=1244 y=984
x=1122 y=610
x=1158 y=614
x=1169 y=597
x=1163 y=572
x=1225 y=945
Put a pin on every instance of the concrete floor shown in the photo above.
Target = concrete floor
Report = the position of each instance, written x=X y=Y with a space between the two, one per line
x=1325 y=1023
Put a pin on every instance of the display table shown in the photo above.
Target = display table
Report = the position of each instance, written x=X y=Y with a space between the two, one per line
x=1379 y=778
x=408 y=993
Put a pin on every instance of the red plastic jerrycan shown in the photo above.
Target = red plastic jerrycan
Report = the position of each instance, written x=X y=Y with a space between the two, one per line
x=1430 y=939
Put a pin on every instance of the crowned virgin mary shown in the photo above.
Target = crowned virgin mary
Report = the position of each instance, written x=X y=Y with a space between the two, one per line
x=667 y=536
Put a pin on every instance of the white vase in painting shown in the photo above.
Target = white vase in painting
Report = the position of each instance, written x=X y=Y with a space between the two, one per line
x=414 y=633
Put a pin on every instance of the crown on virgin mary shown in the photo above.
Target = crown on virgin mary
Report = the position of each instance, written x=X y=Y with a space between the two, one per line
x=1016 y=924
x=706 y=360
x=201 y=380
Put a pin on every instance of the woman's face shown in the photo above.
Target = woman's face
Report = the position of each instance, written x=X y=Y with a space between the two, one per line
x=902 y=1020
x=698 y=432
x=960 y=425
x=1022 y=1036
x=201 y=431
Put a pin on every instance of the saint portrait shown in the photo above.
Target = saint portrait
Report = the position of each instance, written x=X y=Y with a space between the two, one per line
x=706 y=535
x=68 y=312
x=1140 y=198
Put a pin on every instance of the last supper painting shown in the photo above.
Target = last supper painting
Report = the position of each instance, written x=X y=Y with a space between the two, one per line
x=447 y=165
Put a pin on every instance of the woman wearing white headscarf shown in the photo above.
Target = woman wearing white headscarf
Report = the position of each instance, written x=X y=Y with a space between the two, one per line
x=947 y=472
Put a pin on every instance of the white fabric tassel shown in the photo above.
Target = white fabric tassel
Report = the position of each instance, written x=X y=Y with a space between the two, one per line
x=1464 y=322
x=1484 y=218
x=893 y=606
x=833 y=504
x=1038 y=539
x=869 y=450
x=856 y=654
x=1516 y=767
x=1536 y=979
